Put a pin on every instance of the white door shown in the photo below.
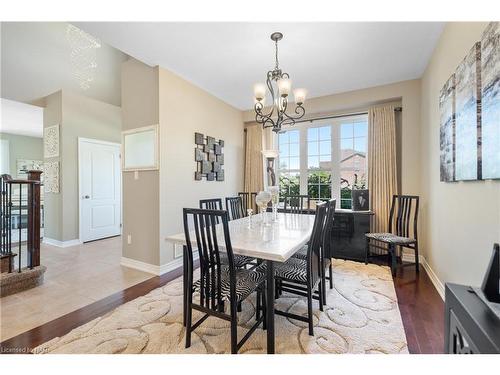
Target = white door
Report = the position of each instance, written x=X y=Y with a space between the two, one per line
x=100 y=189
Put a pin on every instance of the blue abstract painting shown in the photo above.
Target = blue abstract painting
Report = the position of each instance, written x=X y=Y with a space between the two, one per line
x=468 y=116
x=490 y=85
x=447 y=130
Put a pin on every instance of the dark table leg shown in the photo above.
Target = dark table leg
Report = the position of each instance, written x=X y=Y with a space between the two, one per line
x=270 y=306
x=184 y=284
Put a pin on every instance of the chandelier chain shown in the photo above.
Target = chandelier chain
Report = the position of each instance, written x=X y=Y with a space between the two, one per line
x=277 y=62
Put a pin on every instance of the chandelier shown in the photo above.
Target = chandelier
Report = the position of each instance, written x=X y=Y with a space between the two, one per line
x=279 y=85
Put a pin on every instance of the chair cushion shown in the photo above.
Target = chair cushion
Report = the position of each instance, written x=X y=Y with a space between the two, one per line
x=293 y=269
x=390 y=238
x=247 y=281
x=240 y=261
x=301 y=254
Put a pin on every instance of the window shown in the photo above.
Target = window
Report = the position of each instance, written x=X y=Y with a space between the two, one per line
x=289 y=163
x=324 y=159
x=319 y=162
x=353 y=142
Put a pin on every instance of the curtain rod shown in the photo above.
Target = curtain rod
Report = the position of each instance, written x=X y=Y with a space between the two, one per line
x=397 y=109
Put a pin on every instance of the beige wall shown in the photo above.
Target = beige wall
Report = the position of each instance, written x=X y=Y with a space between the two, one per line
x=22 y=147
x=460 y=220
x=184 y=110
x=140 y=197
x=86 y=118
x=407 y=93
x=153 y=203
x=78 y=116
x=52 y=115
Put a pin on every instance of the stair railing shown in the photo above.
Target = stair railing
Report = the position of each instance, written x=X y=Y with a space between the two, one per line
x=30 y=189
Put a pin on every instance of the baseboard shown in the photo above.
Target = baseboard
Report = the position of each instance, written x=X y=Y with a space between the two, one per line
x=50 y=241
x=152 y=268
x=430 y=272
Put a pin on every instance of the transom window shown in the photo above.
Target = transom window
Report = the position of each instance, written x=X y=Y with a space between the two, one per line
x=324 y=159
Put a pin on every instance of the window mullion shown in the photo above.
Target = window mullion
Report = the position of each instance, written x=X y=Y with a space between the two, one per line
x=303 y=160
x=336 y=162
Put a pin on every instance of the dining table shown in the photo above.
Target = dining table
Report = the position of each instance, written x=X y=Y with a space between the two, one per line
x=272 y=240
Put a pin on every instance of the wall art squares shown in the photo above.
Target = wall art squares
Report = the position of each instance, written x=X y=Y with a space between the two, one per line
x=209 y=157
x=51 y=179
x=469 y=104
x=490 y=105
x=51 y=141
x=447 y=130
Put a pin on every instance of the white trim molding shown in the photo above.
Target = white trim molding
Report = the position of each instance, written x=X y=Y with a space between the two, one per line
x=430 y=272
x=51 y=241
x=153 y=268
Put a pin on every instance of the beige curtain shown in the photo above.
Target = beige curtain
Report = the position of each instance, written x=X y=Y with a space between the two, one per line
x=382 y=164
x=253 y=159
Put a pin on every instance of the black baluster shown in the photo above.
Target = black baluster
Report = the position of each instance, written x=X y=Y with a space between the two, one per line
x=20 y=223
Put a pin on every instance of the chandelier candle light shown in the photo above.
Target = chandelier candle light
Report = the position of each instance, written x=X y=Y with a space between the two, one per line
x=280 y=86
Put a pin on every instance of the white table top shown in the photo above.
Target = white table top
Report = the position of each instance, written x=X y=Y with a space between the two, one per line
x=277 y=242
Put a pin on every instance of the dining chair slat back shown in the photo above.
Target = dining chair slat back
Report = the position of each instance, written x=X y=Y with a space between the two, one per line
x=212 y=204
x=248 y=201
x=314 y=260
x=403 y=216
x=234 y=206
x=297 y=204
x=327 y=232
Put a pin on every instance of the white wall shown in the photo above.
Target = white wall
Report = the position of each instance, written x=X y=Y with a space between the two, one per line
x=461 y=220
x=184 y=110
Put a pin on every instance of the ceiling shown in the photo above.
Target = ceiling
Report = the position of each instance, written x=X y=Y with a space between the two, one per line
x=226 y=59
x=35 y=62
x=21 y=119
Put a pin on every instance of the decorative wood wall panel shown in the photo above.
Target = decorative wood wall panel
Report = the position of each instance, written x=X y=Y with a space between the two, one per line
x=209 y=157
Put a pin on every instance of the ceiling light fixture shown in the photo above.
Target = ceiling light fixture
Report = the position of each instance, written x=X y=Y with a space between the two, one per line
x=280 y=86
x=83 y=55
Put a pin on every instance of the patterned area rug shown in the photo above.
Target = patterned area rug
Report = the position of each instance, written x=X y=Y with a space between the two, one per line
x=361 y=316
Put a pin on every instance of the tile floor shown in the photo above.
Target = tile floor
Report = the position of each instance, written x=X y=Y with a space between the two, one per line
x=76 y=276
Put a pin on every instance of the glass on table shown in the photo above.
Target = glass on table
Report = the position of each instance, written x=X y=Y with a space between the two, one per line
x=262 y=199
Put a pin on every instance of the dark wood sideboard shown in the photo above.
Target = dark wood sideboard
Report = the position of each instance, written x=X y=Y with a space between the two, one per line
x=471 y=327
x=348 y=235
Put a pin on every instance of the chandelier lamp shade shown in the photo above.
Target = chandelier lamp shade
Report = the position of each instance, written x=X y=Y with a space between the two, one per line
x=279 y=85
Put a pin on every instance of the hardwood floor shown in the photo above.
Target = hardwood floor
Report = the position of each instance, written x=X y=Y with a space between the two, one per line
x=422 y=311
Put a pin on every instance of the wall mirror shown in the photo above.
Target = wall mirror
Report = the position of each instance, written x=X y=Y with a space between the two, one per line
x=140 y=149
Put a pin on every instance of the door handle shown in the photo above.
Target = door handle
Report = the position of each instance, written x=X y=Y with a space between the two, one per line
x=86 y=197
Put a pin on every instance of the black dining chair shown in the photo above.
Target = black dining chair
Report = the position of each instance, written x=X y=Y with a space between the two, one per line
x=234 y=205
x=297 y=204
x=211 y=204
x=403 y=218
x=326 y=246
x=219 y=282
x=240 y=261
x=302 y=277
x=248 y=200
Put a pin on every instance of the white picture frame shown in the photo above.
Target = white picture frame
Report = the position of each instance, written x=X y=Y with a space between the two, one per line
x=140 y=149
x=51 y=141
